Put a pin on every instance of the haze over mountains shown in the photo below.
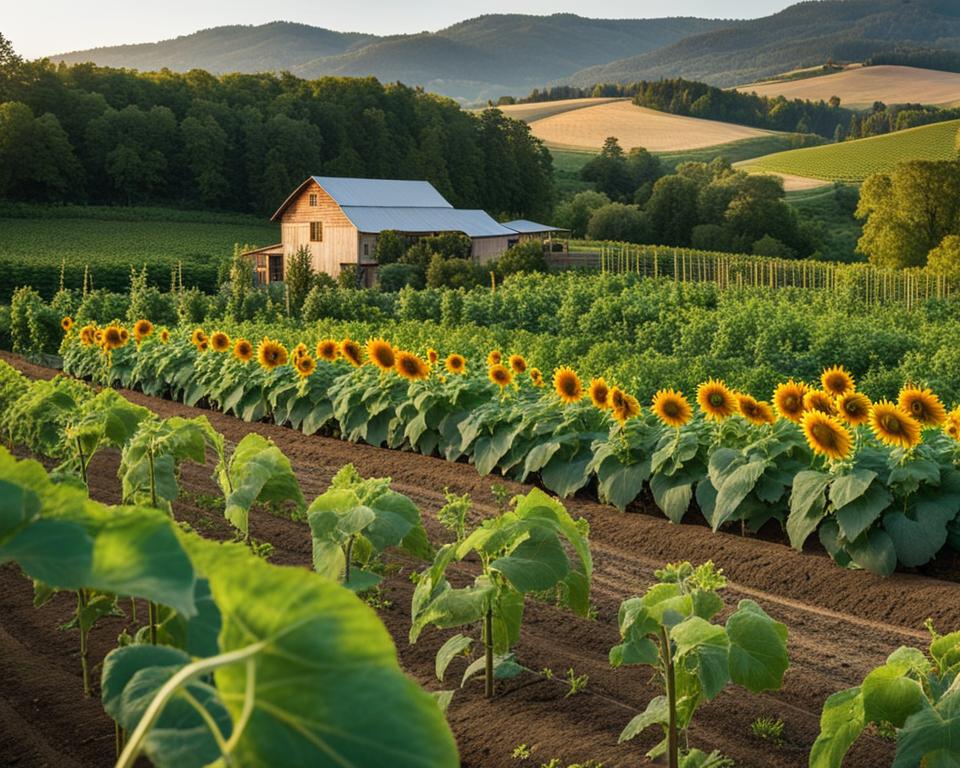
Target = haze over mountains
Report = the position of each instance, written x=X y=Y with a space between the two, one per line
x=493 y=55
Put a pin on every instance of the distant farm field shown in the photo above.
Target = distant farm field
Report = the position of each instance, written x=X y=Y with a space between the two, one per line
x=860 y=87
x=541 y=109
x=587 y=124
x=855 y=160
x=34 y=242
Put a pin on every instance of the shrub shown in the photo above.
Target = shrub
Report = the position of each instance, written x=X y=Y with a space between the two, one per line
x=299 y=279
x=349 y=276
x=394 y=276
x=390 y=247
x=451 y=273
x=618 y=221
x=523 y=257
x=34 y=326
x=102 y=306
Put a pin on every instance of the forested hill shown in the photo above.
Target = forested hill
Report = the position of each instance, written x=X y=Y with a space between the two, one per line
x=476 y=59
x=244 y=142
x=803 y=34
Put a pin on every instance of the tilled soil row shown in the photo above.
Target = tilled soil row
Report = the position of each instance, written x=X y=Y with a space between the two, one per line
x=842 y=623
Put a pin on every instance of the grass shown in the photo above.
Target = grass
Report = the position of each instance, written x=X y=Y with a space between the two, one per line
x=829 y=210
x=855 y=160
x=35 y=239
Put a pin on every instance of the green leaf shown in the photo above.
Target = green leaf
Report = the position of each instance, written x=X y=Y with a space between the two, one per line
x=918 y=536
x=851 y=486
x=454 y=647
x=735 y=488
x=620 y=484
x=874 y=552
x=536 y=564
x=841 y=723
x=703 y=646
x=452 y=608
x=931 y=736
x=832 y=540
x=395 y=517
x=567 y=476
x=860 y=513
x=758 y=648
x=889 y=695
x=656 y=713
x=807 y=506
x=672 y=494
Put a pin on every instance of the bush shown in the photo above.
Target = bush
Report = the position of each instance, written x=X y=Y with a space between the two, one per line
x=392 y=277
x=523 y=257
x=299 y=279
x=34 y=326
x=618 y=221
x=771 y=247
x=452 y=273
x=102 y=306
x=349 y=276
x=390 y=247
x=192 y=306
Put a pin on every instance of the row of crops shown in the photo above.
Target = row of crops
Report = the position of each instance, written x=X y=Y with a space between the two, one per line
x=877 y=481
x=222 y=671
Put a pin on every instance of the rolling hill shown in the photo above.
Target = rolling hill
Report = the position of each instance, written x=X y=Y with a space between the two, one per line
x=859 y=87
x=803 y=34
x=480 y=58
x=855 y=160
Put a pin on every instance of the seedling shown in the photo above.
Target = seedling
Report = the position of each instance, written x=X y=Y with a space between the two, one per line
x=768 y=729
x=669 y=629
x=576 y=682
x=521 y=752
x=453 y=514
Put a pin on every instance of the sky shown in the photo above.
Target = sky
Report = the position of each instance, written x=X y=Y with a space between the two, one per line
x=44 y=27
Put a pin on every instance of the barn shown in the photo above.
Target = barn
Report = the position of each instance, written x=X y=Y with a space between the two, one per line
x=340 y=219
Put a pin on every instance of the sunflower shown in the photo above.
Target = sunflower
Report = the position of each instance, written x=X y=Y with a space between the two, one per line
x=500 y=375
x=952 y=427
x=536 y=378
x=164 y=336
x=755 y=411
x=455 y=364
x=788 y=400
x=328 y=349
x=67 y=323
x=88 y=335
x=220 y=341
x=124 y=335
x=923 y=405
x=837 y=381
x=411 y=366
x=494 y=358
x=432 y=355
x=517 y=364
x=623 y=406
x=197 y=337
x=142 y=329
x=716 y=400
x=111 y=337
x=567 y=385
x=351 y=352
x=271 y=354
x=893 y=426
x=203 y=346
x=243 y=350
x=297 y=352
x=854 y=408
x=381 y=354
x=672 y=408
x=826 y=435
x=818 y=400
x=98 y=337
x=599 y=393
x=305 y=366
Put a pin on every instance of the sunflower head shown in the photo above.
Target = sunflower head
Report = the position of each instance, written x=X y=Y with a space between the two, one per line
x=923 y=405
x=788 y=400
x=837 y=381
x=716 y=400
x=536 y=377
x=432 y=356
x=124 y=335
x=623 y=406
x=818 y=400
x=500 y=375
x=98 y=337
x=567 y=385
x=854 y=408
x=164 y=336
x=381 y=354
x=411 y=366
x=351 y=352
x=952 y=425
x=826 y=435
x=328 y=349
x=305 y=365
x=672 y=408
x=111 y=337
x=893 y=426
x=66 y=323
x=243 y=350
x=455 y=363
x=599 y=393
x=197 y=336
x=88 y=335
x=755 y=411
x=203 y=346
x=219 y=341
x=142 y=329
x=494 y=357
x=297 y=352
x=271 y=354
x=517 y=364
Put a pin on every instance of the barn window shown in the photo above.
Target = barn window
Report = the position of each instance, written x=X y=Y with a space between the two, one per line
x=316 y=231
x=366 y=249
x=313 y=201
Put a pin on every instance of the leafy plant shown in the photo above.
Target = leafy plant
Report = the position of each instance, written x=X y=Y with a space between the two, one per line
x=768 y=729
x=670 y=629
x=38 y=417
x=917 y=694
x=355 y=520
x=521 y=551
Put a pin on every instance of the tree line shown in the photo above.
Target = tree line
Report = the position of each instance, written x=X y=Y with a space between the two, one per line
x=239 y=142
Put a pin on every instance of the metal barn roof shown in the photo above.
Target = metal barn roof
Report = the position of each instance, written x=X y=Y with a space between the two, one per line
x=387 y=193
x=526 y=227
x=473 y=223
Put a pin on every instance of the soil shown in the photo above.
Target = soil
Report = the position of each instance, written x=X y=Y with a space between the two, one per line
x=842 y=623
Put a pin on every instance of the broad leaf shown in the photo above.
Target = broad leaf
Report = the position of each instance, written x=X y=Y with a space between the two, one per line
x=841 y=723
x=536 y=564
x=758 y=648
x=454 y=647
x=656 y=713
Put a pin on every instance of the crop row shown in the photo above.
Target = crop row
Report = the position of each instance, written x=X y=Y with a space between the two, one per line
x=879 y=482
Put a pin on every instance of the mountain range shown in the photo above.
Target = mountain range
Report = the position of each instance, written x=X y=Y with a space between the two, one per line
x=494 y=55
